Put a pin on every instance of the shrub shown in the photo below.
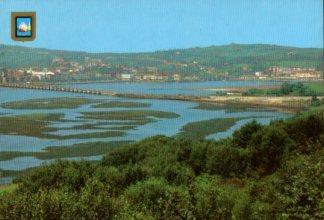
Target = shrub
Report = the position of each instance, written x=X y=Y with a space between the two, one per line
x=56 y=175
x=216 y=201
x=306 y=131
x=176 y=173
x=242 y=136
x=301 y=194
x=267 y=148
x=227 y=161
x=94 y=202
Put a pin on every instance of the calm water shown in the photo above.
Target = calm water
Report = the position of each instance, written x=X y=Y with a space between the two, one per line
x=170 y=88
x=167 y=127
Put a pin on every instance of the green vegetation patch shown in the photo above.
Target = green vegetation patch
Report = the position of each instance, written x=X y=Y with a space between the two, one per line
x=201 y=129
x=290 y=88
x=226 y=107
x=317 y=87
x=76 y=150
x=128 y=115
x=118 y=104
x=100 y=134
x=98 y=125
x=28 y=125
x=37 y=125
x=7 y=188
x=50 y=103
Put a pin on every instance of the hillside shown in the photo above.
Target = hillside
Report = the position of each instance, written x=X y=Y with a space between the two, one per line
x=234 y=58
x=261 y=172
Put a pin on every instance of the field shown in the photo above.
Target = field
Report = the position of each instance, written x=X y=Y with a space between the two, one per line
x=318 y=87
x=289 y=89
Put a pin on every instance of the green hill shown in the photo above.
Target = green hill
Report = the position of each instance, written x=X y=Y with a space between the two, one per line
x=234 y=58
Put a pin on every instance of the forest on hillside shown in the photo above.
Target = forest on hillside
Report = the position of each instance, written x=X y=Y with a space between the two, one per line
x=234 y=59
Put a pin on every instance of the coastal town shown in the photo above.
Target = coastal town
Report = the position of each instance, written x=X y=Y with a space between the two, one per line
x=61 y=70
x=290 y=73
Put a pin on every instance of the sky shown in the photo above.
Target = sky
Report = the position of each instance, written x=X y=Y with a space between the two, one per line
x=150 y=25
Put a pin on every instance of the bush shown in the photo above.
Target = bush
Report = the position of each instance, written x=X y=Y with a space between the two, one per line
x=95 y=202
x=267 y=148
x=227 y=161
x=242 y=136
x=72 y=175
x=301 y=193
x=155 y=196
x=215 y=201
x=306 y=130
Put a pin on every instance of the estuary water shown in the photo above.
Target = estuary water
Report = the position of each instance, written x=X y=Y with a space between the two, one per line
x=165 y=126
x=171 y=88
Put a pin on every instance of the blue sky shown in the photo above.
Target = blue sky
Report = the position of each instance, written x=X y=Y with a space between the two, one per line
x=149 y=25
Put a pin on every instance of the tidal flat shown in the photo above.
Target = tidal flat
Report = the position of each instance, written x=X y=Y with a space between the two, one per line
x=38 y=125
x=129 y=115
x=50 y=103
x=34 y=125
x=201 y=129
x=119 y=104
x=31 y=136
x=76 y=150
x=217 y=107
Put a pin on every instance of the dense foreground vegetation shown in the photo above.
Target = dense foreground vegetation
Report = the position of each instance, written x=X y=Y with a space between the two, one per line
x=261 y=172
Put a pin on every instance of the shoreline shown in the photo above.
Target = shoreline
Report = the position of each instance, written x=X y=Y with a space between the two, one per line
x=292 y=104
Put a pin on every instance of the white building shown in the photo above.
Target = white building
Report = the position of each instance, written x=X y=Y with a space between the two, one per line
x=41 y=74
x=126 y=76
x=258 y=74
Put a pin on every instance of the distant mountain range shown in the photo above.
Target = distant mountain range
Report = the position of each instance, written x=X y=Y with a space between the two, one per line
x=234 y=58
